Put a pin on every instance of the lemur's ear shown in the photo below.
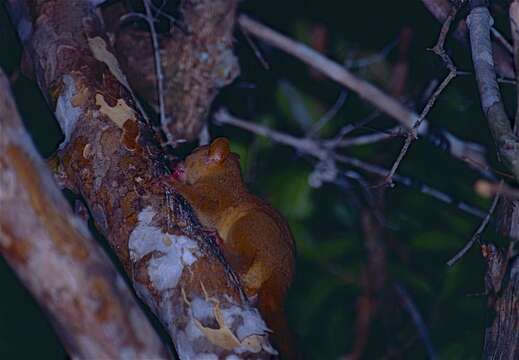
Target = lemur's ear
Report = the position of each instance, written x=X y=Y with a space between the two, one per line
x=219 y=149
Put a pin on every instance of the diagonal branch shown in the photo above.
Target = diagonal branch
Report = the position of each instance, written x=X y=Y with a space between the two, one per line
x=53 y=254
x=321 y=152
x=479 y=231
x=333 y=70
x=458 y=148
x=439 y=49
x=111 y=158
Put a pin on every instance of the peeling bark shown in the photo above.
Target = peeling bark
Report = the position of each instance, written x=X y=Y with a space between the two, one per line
x=111 y=158
x=53 y=254
x=197 y=60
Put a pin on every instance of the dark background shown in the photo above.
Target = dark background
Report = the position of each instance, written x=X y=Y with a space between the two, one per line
x=421 y=233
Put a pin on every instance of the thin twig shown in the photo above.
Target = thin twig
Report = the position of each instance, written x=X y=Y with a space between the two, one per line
x=333 y=70
x=477 y=234
x=502 y=40
x=440 y=10
x=366 y=139
x=330 y=114
x=256 y=50
x=412 y=134
x=337 y=140
x=432 y=100
x=438 y=49
x=385 y=103
x=389 y=179
x=313 y=148
x=158 y=69
x=372 y=59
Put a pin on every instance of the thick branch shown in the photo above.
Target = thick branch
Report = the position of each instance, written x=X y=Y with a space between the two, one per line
x=110 y=157
x=502 y=276
x=197 y=60
x=479 y=22
x=333 y=70
x=51 y=251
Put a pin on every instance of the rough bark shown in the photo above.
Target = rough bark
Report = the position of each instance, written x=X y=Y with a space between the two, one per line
x=93 y=311
x=502 y=336
x=479 y=22
x=197 y=60
x=111 y=158
x=502 y=274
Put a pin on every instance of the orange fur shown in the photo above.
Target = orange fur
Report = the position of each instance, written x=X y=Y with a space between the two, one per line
x=257 y=241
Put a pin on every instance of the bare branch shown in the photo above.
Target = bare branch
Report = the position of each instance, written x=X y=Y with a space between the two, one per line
x=158 y=71
x=111 y=157
x=477 y=234
x=502 y=40
x=197 y=60
x=440 y=51
x=313 y=148
x=386 y=104
x=479 y=22
x=331 y=69
x=366 y=139
x=53 y=254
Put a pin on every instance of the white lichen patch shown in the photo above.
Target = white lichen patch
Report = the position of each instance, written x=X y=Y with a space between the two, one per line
x=66 y=113
x=119 y=114
x=101 y=53
x=201 y=309
x=240 y=328
x=249 y=319
x=172 y=253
